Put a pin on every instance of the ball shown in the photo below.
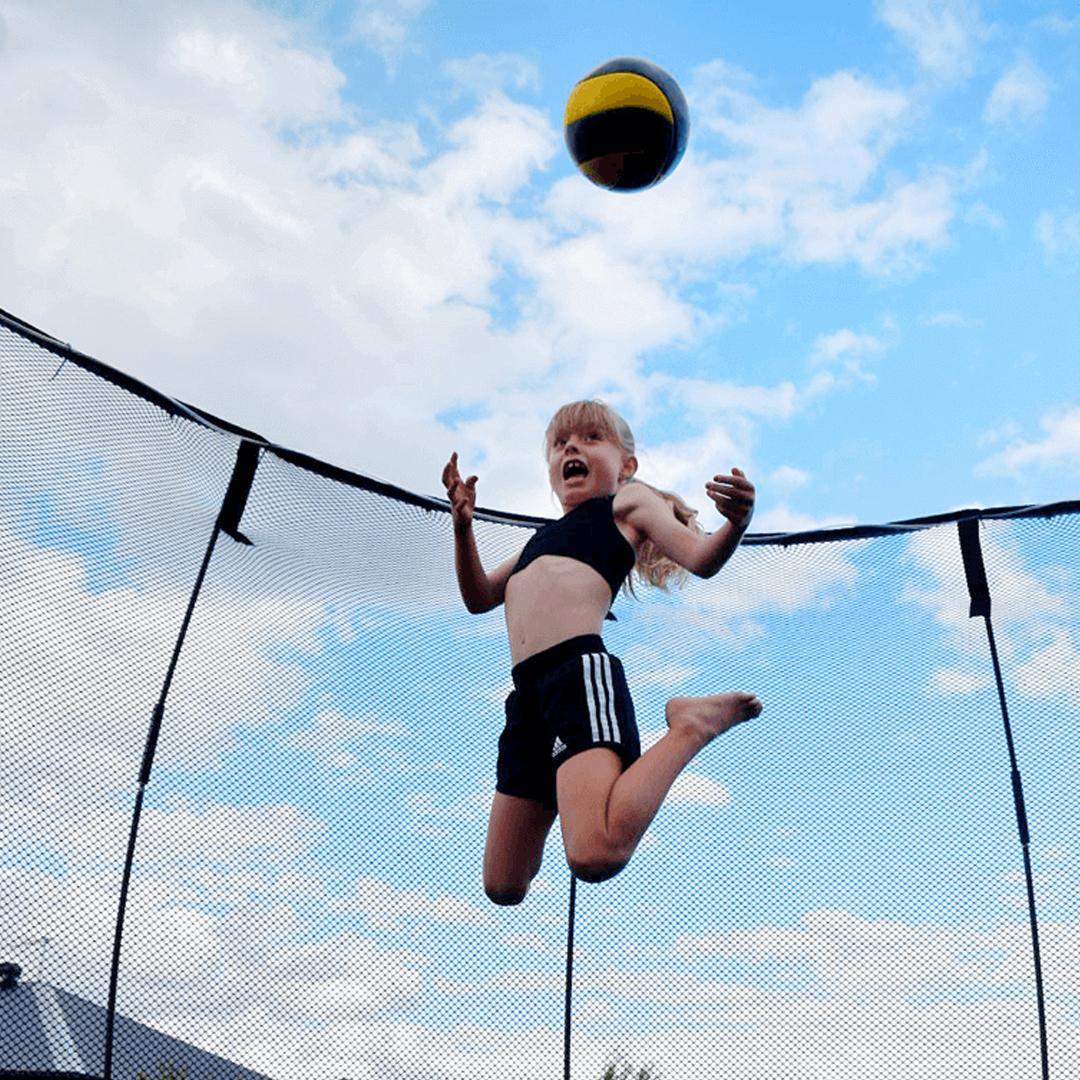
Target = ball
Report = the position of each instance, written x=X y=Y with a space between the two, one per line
x=626 y=124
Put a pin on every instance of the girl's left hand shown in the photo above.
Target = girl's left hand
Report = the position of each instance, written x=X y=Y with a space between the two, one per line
x=733 y=496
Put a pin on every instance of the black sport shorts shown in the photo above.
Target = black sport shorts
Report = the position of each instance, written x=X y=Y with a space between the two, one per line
x=566 y=699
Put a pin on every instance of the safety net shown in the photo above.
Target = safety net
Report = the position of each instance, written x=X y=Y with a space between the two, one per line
x=263 y=663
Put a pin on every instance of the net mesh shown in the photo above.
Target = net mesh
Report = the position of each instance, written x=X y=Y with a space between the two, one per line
x=833 y=891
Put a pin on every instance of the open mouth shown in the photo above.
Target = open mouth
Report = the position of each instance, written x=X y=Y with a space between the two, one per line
x=574 y=467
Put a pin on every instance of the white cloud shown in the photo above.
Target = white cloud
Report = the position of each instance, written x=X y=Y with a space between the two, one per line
x=1059 y=447
x=836 y=138
x=1058 y=231
x=686 y=465
x=271 y=837
x=1058 y=24
x=388 y=908
x=1008 y=429
x=253 y=68
x=385 y=26
x=847 y=954
x=838 y=360
x=788 y=478
x=782 y=518
x=487 y=73
x=979 y=213
x=846 y=349
x=602 y=309
x=712 y=397
x=960 y=681
x=1051 y=671
x=888 y=233
x=750 y=586
x=647 y=669
x=376 y=982
x=696 y=789
x=1020 y=95
x=951 y=320
x=331 y=731
x=855 y=994
x=535 y=943
x=943 y=34
x=209 y=932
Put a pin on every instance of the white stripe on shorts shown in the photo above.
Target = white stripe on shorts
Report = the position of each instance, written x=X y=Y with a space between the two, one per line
x=599 y=694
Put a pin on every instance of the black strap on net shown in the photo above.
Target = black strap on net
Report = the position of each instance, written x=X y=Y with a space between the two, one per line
x=979 y=590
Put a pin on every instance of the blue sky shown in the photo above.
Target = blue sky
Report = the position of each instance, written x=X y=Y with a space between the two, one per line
x=353 y=228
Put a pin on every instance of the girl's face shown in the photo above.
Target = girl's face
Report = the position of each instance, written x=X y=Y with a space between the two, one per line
x=585 y=463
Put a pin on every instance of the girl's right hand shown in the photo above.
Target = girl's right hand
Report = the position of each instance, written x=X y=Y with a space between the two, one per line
x=462 y=494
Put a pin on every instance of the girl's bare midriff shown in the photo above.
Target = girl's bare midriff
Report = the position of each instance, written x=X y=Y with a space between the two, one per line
x=556 y=598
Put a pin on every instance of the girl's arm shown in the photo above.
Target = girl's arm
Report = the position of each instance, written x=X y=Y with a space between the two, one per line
x=701 y=553
x=480 y=591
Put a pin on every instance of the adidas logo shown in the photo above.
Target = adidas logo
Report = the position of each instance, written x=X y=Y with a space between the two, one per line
x=558 y=748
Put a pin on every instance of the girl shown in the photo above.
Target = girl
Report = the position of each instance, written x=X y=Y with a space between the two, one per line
x=570 y=746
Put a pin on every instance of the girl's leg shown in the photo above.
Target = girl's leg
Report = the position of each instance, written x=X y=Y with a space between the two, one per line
x=605 y=811
x=517 y=830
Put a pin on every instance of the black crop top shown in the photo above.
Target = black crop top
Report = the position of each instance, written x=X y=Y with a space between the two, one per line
x=589 y=534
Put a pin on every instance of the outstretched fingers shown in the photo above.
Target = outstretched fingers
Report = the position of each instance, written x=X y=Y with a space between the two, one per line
x=450 y=474
x=733 y=495
x=462 y=494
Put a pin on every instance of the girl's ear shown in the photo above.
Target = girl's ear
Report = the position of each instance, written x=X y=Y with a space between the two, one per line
x=628 y=470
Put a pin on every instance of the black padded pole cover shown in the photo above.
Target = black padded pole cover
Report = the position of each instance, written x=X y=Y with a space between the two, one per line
x=974 y=568
x=236 y=497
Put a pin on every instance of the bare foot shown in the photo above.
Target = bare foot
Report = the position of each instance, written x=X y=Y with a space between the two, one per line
x=706 y=717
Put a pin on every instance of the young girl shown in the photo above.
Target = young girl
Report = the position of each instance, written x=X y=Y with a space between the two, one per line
x=570 y=746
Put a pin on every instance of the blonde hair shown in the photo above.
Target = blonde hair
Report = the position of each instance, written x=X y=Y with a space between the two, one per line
x=652 y=566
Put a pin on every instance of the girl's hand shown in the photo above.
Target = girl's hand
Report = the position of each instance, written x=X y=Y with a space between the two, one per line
x=462 y=495
x=733 y=496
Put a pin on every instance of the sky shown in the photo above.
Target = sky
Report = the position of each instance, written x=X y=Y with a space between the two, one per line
x=354 y=229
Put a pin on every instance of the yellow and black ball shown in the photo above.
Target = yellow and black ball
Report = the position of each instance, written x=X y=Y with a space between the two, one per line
x=626 y=124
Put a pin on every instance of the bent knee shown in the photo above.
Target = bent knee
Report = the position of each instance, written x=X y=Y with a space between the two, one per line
x=506 y=895
x=595 y=867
